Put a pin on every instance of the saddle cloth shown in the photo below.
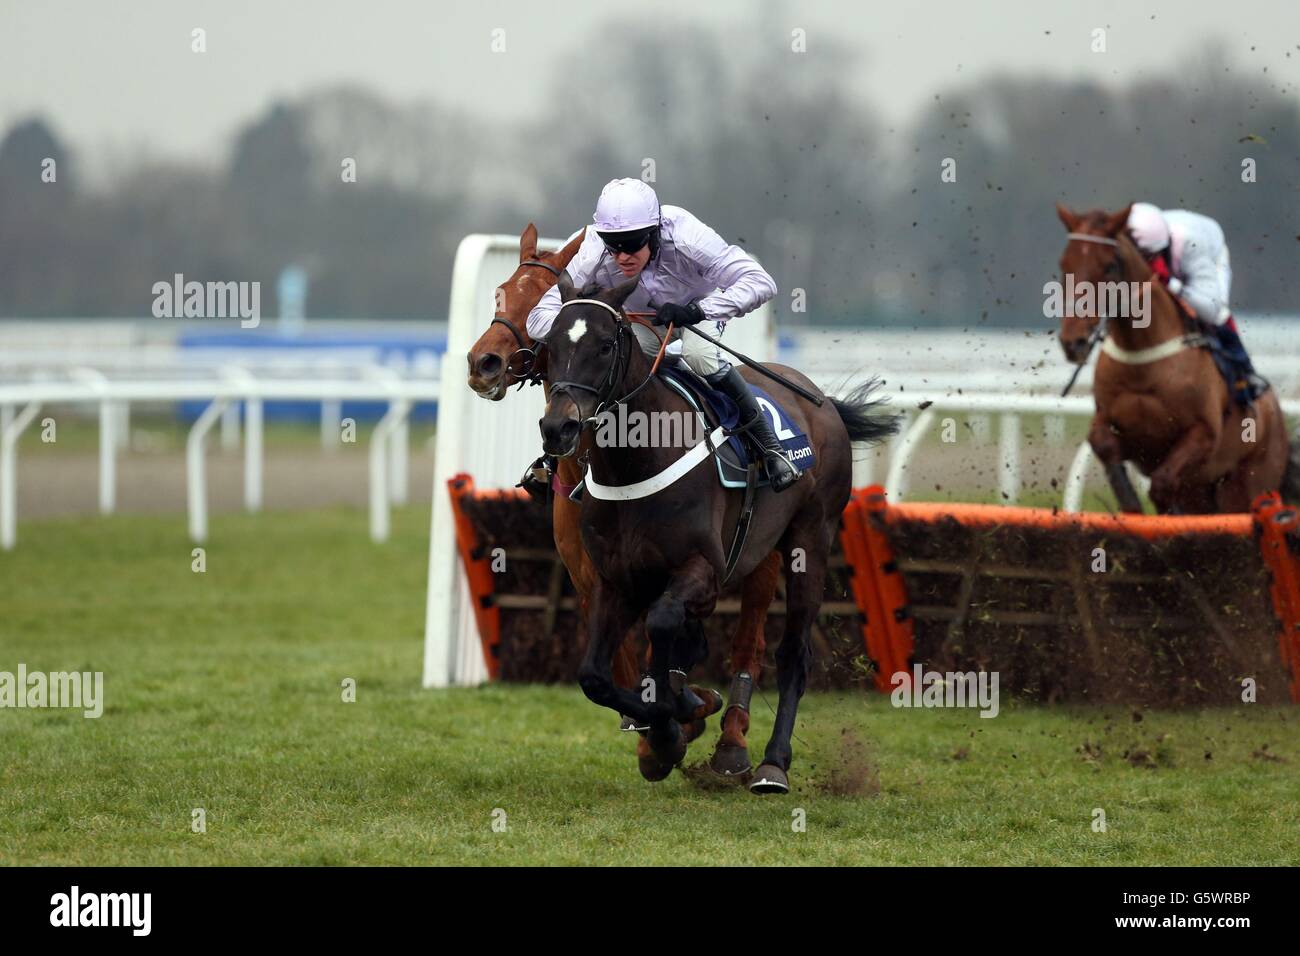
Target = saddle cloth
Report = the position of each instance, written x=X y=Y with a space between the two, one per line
x=734 y=456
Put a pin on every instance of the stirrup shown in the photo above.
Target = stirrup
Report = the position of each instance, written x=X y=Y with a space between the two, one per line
x=531 y=483
x=772 y=473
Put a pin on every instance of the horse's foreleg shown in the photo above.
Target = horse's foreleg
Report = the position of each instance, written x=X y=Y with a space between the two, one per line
x=608 y=619
x=568 y=542
x=748 y=645
x=1168 y=482
x=803 y=599
x=1106 y=447
x=675 y=640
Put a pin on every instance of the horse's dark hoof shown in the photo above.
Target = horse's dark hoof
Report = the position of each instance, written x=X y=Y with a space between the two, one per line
x=769 y=778
x=729 y=760
x=651 y=767
x=710 y=703
x=627 y=725
x=669 y=745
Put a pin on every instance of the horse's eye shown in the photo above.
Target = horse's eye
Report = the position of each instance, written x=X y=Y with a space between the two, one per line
x=606 y=347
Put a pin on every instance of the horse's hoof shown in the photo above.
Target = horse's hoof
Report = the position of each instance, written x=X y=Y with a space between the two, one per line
x=710 y=703
x=729 y=760
x=651 y=767
x=627 y=725
x=769 y=778
x=669 y=746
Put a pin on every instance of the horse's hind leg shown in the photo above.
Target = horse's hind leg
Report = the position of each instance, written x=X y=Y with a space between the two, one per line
x=748 y=644
x=803 y=598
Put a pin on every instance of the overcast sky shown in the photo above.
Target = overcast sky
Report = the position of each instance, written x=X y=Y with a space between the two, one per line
x=120 y=73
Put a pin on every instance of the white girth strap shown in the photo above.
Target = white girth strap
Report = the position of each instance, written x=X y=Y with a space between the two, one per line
x=1144 y=356
x=656 y=483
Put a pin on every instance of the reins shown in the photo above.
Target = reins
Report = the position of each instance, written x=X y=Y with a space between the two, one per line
x=1189 y=339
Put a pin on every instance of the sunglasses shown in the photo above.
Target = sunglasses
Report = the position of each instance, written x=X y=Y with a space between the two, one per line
x=626 y=243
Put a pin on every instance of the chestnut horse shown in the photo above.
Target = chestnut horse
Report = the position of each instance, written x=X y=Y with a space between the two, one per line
x=504 y=356
x=657 y=526
x=1161 y=402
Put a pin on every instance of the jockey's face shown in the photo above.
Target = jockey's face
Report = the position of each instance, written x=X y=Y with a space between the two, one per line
x=631 y=263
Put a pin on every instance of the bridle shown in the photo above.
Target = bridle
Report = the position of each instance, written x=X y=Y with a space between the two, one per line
x=1140 y=357
x=526 y=356
x=618 y=365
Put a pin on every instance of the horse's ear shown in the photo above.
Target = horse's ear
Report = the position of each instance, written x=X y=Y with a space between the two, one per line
x=528 y=243
x=565 y=285
x=619 y=294
x=1118 y=222
x=1069 y=218
x=565 y=255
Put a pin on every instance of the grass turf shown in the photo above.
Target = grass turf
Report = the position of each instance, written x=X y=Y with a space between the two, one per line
x=223 y=692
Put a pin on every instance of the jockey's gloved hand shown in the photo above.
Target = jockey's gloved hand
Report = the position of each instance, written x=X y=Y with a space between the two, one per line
x=679 y=315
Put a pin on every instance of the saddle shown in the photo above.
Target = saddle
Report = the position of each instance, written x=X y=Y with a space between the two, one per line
x=1244 y=384
x=735 y=456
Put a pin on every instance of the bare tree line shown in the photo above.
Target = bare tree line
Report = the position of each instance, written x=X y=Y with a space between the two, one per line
x=781 y=158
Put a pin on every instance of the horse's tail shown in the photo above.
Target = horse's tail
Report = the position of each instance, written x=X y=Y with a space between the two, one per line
x=863 y=415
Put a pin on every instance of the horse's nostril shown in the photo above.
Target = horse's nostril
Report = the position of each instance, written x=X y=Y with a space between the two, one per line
x=489 y=365
x=569 y=430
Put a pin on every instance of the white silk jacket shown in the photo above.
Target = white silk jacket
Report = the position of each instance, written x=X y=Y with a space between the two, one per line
x=694 y=262
x=1200 y=264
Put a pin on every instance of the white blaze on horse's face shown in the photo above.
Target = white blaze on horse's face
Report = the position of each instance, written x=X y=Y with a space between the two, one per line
x=577 y=330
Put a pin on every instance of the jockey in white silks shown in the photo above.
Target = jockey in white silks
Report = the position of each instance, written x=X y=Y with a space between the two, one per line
x=687 y=274
x=1189 y=253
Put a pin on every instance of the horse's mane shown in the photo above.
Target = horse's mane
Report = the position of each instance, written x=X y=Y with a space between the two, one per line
x=1134 y=262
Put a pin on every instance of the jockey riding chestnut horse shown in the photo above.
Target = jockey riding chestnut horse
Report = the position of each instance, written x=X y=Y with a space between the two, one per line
x=1189 y=254
x=1210 y=442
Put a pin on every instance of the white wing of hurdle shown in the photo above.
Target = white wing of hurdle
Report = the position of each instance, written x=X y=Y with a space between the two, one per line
x=494 y=442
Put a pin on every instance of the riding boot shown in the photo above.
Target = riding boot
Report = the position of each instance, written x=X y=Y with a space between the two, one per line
x=781 y=474
x=1250 y=385
x=537 y=479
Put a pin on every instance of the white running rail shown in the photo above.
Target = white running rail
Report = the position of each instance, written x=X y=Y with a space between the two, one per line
x=1008 y=408
x=112 y=397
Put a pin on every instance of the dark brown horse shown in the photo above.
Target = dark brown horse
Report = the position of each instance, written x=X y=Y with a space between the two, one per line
x=501 y=358
x=1161 y=403
x=660 y=550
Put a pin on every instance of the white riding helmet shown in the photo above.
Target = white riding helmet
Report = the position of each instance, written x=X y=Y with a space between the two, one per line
x=626 y=205
x=1146 y=223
